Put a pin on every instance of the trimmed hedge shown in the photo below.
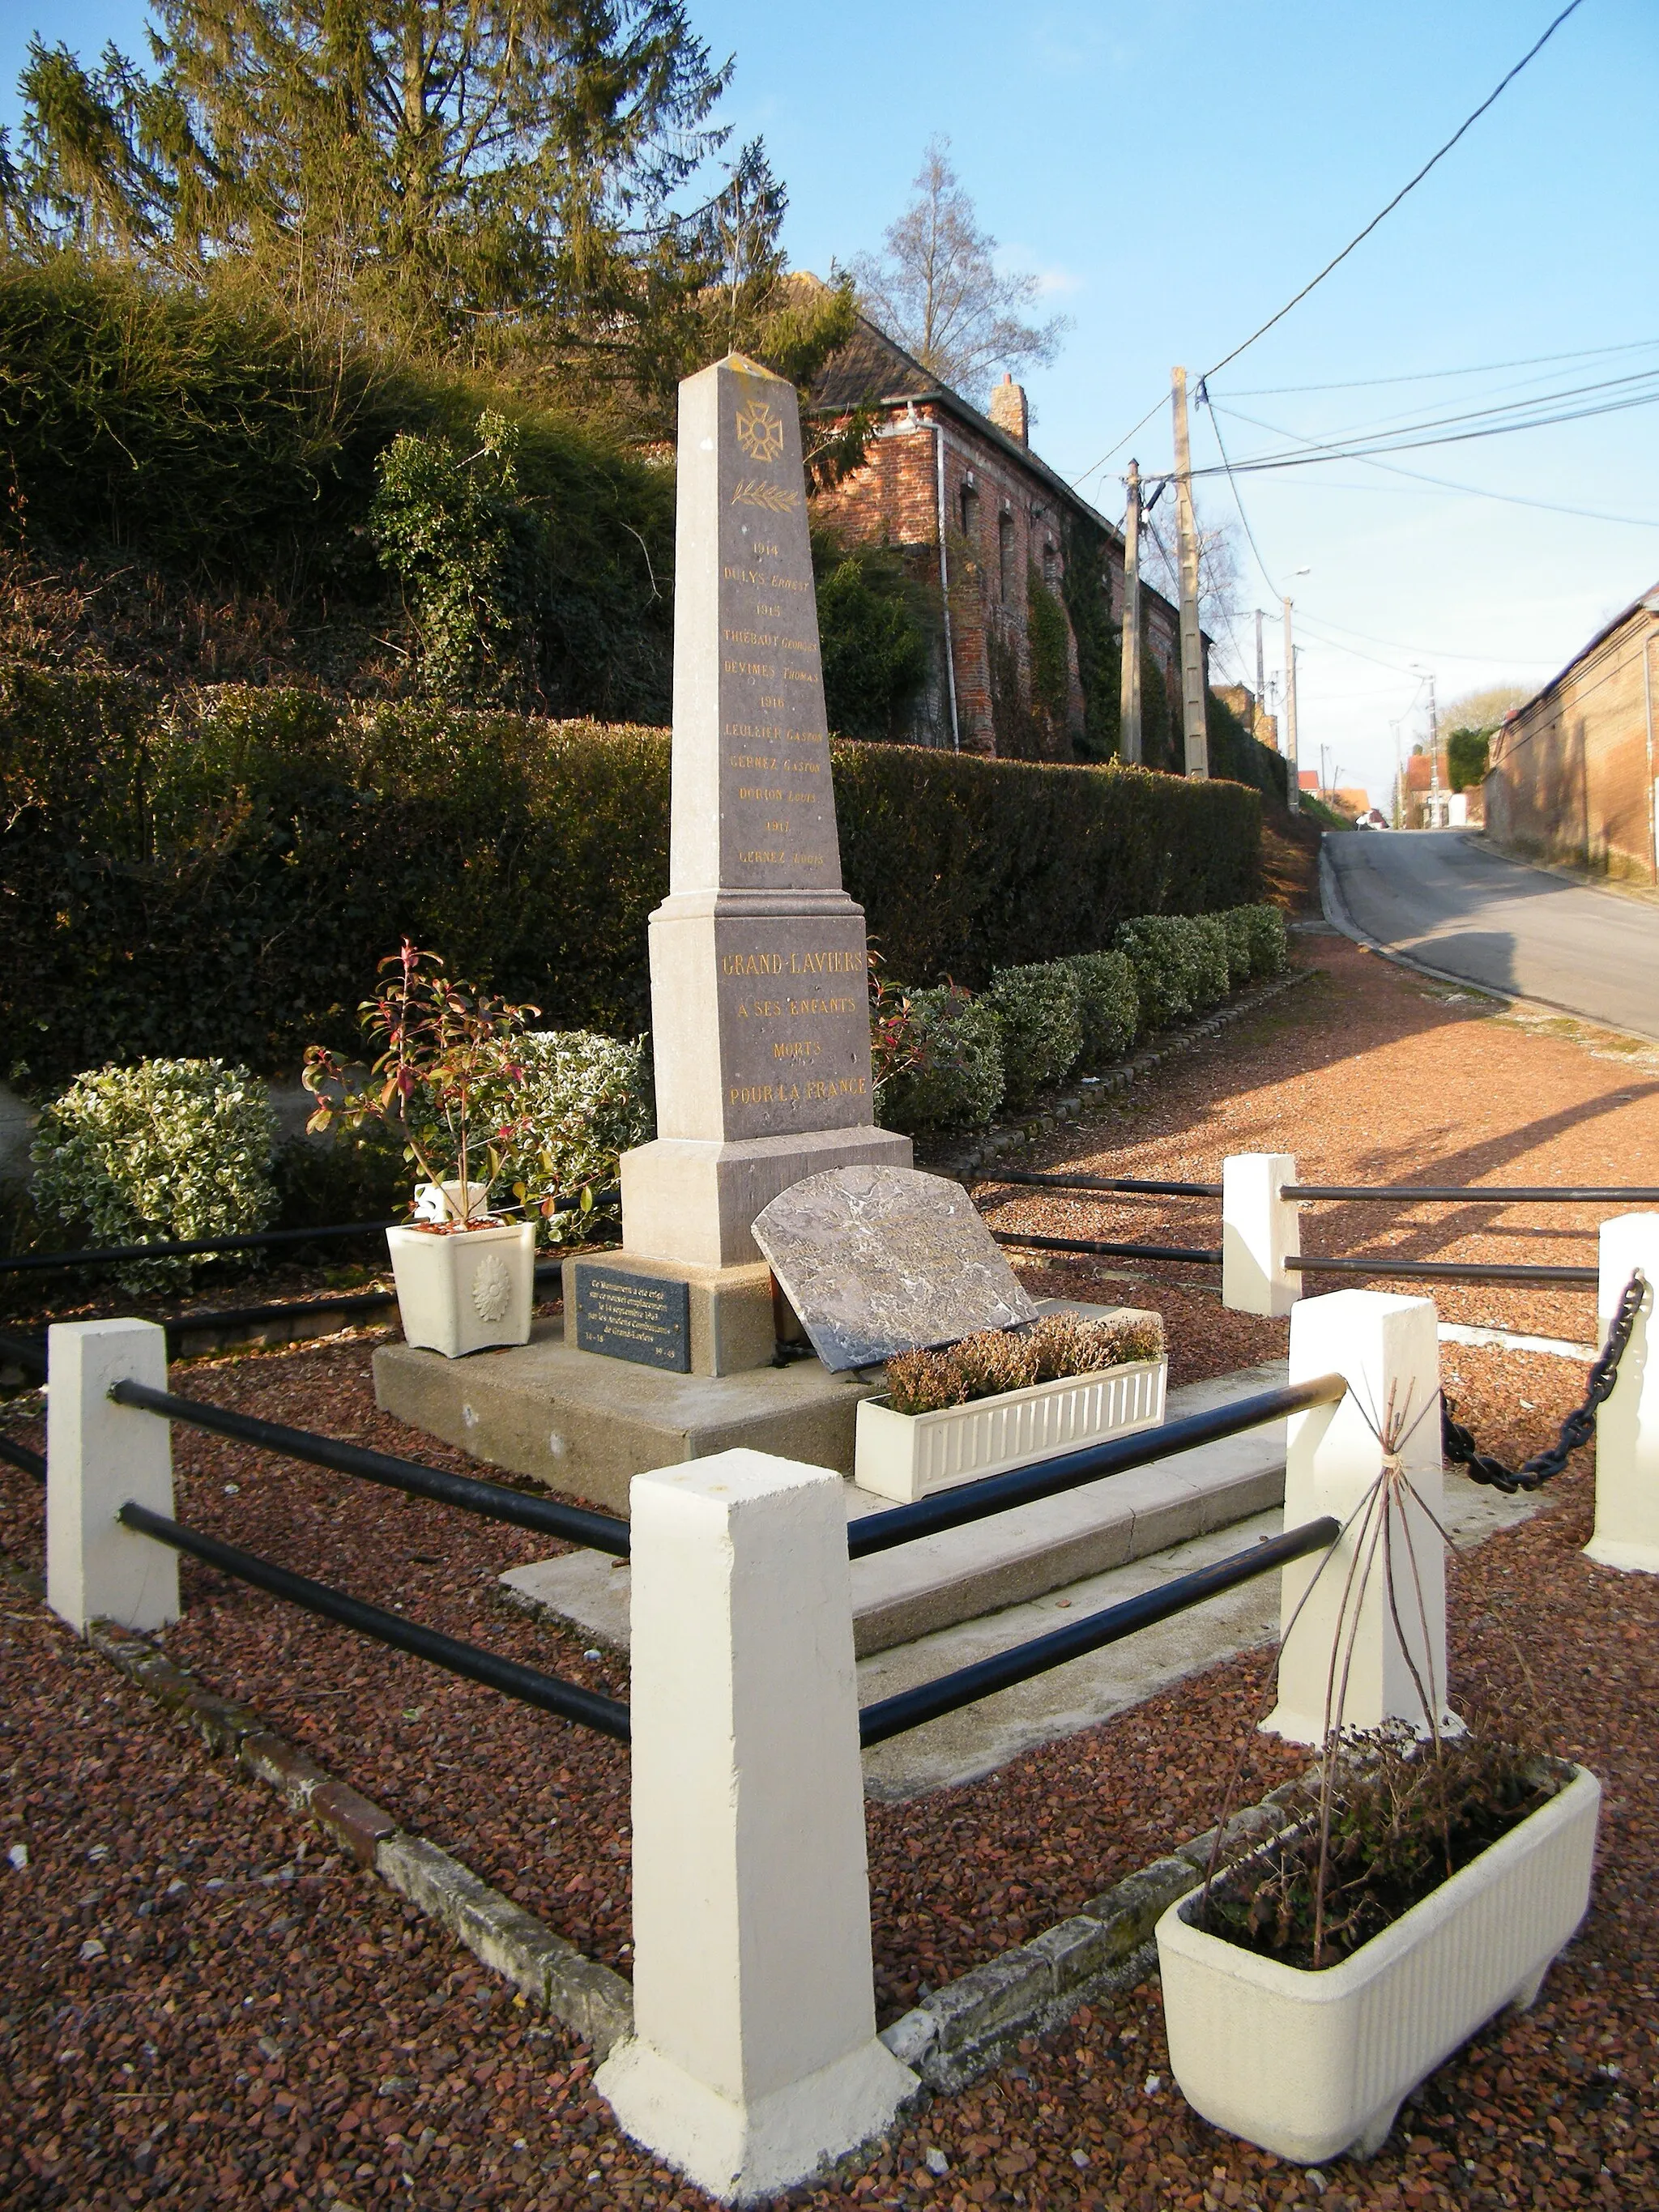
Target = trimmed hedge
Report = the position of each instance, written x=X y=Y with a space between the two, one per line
x=1040 y=1009
x=218 y=875
x=1109 y=1009
x=960 y=1082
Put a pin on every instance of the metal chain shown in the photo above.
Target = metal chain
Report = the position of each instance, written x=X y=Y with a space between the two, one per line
x=1577 y=1429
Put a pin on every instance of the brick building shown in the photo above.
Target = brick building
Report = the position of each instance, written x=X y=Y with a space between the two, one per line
x=1572 y=771
x=1002 y=542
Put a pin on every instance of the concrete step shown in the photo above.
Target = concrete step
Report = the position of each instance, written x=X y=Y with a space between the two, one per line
x=962 y=1746
x=1008 y=1559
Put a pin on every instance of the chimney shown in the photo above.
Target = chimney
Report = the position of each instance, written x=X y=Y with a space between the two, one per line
x=1009 y=411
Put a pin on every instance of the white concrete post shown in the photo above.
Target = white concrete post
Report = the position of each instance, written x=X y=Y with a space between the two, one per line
x=1388 y=1348
x=99 y=1457
x=1627 y=1426
x=1260 y=1230
x=755 y=2056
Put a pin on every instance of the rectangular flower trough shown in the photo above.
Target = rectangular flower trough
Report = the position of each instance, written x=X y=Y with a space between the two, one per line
x=1310 y=2065
x=906 y=1456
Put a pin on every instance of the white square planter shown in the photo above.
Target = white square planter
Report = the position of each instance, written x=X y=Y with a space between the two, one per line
x=467 y=1290
x=1310 y=2065
x=906 y=1456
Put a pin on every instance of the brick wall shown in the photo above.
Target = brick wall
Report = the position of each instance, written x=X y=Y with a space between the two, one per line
x=1571 y=772
x=1002 y=518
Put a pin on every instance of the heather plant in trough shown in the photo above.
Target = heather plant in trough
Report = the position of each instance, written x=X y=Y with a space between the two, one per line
x=998 y=1359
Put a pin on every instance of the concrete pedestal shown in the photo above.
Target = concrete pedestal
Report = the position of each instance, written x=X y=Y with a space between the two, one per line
x=587 y=1424
x=693 y=1199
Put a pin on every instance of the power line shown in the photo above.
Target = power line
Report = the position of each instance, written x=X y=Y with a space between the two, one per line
x=1409 y=420
x=1443 y=483
x=1258 y=462
x=1468 y=124
x=1237 y=501
x=1154 y=408
x=1435 y=375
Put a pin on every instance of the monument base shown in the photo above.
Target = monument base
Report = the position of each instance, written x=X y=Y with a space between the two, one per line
x=586 y=1425
x=692 y=1199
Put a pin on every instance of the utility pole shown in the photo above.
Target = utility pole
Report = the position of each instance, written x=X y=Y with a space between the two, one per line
x=1434 y=760
x=1290 y=713
x=1129 y=713
x=1261 y=680
x=1193 y=721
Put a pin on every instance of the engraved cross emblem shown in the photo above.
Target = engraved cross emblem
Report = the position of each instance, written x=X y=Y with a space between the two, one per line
x=760 y=431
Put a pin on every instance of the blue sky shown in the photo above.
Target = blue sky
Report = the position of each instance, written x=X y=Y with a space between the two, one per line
x=1173 y=173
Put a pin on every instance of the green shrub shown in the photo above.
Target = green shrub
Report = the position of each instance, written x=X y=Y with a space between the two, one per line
x=959 y=1085
x=466 y=550
x=1236 y=922
x=1040 y=1006
x=588 y=1100
x=1269 y=942
x=169 y=1149
x=1210 y=969
x=1108 y=1006
x=1156 y=947
x=874 y=651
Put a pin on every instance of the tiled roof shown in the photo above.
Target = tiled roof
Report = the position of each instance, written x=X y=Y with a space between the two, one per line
x=871 y=366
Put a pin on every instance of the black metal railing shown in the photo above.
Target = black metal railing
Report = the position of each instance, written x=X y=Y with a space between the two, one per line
x=1048 y=1478
x=930 y=1701
x=1449 y=1271
x=253 y=1240
x=1195 y=1255
x=493 y=1501
x=1455 y=1194
x=1134 y=1186
x=528 y=1685
x=28 y=1353
x=22 y=1456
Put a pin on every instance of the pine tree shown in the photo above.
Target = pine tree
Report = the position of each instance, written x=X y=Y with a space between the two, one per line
x=442 y=169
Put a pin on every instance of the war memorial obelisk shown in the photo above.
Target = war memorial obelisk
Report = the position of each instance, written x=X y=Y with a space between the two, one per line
x=760 y=1025
x=760 y=1019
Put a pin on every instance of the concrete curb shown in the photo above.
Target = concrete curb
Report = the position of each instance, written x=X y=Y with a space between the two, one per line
x=977 y=1159
x=552 y=1975
x=963 y=2030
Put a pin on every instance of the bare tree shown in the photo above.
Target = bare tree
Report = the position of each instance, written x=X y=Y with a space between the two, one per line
x=936 y=287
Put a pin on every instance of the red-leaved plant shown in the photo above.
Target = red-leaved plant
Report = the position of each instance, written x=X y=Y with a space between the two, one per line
x=445 y=1045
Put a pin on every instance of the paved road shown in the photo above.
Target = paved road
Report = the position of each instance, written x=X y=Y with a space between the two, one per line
x=1440 y=897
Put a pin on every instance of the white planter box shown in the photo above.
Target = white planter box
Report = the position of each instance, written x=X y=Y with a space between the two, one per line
x=467 y=1290
x=1310 y=2065
x=906 y=1456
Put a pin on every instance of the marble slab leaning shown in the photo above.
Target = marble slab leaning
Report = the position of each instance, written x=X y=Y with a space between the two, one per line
x=879 y=1260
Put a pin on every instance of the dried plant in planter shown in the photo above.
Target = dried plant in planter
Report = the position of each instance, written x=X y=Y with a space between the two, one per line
x=999 y=1359
x=1395 y=1811
x=1402 y=1817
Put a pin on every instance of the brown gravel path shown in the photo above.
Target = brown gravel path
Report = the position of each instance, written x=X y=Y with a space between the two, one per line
x=1554 y=2109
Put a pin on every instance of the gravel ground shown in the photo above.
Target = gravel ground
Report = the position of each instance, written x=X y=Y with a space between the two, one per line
x=371 y=2019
